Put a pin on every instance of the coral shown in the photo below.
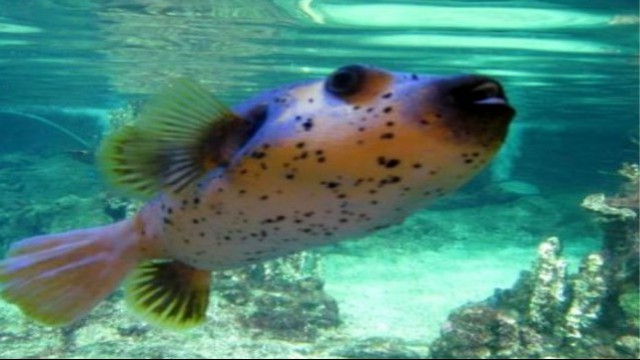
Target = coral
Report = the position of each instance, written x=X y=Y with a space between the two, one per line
x=482 y=332
x=524 y=321
x=598 y=203
x=629 y=302
x=549 y=297
x=617 y=217
x=631 y=172
x=516 y=322
x=629 y=345
x=592 y=314
x=120 y=117
x=283 y=298
x=589 y=290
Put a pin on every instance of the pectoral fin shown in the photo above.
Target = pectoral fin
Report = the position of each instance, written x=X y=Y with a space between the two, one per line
x=180 y=135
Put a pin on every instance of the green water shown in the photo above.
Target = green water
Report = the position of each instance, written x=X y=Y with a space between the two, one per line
x=570 y=68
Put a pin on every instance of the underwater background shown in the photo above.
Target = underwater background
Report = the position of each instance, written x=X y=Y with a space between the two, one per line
x=71 y=71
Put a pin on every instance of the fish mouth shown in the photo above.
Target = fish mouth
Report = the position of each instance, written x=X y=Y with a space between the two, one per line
x=480 y=94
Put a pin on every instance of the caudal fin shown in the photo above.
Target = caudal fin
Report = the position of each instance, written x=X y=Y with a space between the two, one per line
x=56 y=279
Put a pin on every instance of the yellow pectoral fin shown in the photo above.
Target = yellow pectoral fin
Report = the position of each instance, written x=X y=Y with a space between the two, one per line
x=169 y=293
x=181 y=134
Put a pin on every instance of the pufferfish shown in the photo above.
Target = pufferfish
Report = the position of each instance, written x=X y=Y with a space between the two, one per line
x=293 y=168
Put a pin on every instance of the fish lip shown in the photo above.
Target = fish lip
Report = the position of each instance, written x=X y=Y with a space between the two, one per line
x=476 y=90
x=485 y=95
x=493 y=107
x=492 y=101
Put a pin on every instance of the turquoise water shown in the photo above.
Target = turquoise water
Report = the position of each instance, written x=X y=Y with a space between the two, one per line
x=570 y=68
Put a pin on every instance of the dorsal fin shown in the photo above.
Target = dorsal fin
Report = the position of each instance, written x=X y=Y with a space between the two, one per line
x=181 y=133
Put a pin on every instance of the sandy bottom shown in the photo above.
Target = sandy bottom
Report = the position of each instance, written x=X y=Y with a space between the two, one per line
x=410 y=295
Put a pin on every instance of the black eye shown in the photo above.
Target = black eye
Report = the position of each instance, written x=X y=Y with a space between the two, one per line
x=345 y=81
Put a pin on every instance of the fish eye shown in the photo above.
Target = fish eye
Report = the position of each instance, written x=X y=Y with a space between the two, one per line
x=346 y=81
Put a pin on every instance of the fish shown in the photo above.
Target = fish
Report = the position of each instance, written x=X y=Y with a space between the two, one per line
x=293 y=168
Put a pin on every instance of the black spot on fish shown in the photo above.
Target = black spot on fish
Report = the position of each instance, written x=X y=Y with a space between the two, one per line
x=387 y=110
x=258 y=154
x=387 y=136
x=330 y=184
x=387 y=95
x=392 y=179
x=388 y=163
x=308 y=124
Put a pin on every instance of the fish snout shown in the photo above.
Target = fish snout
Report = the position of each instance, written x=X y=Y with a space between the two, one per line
x=477 y=94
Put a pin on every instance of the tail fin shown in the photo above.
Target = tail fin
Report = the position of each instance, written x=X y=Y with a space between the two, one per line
x=56 y=279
